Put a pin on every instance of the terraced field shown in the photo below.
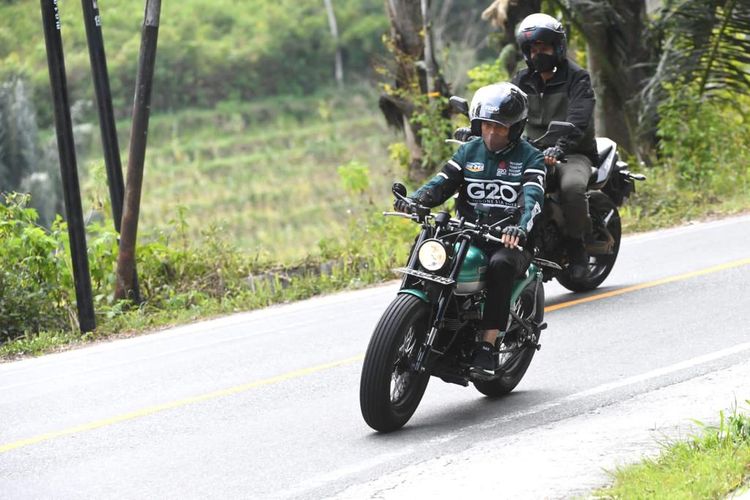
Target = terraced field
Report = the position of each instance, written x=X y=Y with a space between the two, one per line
x=266 y=173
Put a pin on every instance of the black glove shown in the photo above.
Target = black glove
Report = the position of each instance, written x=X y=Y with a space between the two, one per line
x=555 y=152
x=462 y=134
x=515 y=231
x=402 y=206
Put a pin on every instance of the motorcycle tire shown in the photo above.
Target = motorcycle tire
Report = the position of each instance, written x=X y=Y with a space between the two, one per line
x=600 y=265
x=389 y=390
x=515 y=366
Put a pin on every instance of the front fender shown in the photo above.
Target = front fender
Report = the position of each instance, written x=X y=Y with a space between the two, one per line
x=417 y=293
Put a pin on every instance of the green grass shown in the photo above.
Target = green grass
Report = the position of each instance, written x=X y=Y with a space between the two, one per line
x=661 y=201
x=711 y=465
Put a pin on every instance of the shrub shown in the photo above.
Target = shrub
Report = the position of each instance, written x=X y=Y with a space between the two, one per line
x=34 y=295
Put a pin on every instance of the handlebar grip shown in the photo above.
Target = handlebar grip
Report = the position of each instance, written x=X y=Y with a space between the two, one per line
x=489 y=237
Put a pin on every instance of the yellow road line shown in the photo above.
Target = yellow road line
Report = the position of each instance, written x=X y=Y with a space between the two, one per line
x=650 y=284
x=334 y=364
x=176 y=404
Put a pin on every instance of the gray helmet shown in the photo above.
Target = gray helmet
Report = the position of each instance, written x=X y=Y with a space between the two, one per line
x=502 y=103
x=544 y=28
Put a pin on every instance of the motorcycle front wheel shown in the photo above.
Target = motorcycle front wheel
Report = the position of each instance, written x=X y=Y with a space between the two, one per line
x=390 y=390
x=603 y=247
x=516 y=351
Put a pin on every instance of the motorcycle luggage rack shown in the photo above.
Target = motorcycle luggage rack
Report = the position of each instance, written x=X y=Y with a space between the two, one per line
x=421 y=274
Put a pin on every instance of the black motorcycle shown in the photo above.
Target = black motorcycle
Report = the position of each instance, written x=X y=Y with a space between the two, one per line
x=430 y=328
x=610 y=185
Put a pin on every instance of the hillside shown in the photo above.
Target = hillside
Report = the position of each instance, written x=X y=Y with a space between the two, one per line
x=208 y=50
x=266 y=173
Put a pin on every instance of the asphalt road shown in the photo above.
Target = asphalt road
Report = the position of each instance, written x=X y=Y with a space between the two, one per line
x=265 y=404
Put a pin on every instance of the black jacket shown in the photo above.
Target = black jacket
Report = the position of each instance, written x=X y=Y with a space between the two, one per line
x=569 y=97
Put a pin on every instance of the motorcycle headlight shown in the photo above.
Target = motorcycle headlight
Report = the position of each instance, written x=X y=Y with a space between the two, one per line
x=432 y=255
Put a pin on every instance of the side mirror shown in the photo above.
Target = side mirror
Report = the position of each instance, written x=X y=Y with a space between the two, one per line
x=459 y=104
x=399 y=190
x=560 y=128
x=555 y=130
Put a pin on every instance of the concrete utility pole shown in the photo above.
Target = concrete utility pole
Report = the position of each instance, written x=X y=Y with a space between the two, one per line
x=68 y=168
x=124 y=288
x=110 y=145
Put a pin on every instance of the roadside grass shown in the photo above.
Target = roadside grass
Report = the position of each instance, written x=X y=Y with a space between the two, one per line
x=713 y=464
x=661 y=201
x=182 y=280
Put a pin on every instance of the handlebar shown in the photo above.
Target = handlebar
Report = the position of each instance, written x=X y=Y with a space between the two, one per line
x=481 y=230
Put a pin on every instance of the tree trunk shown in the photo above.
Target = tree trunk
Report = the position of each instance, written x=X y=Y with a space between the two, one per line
x=338 y=63
x=617 y=59
x=430 y=65
x=506 y=14
x=408 y=47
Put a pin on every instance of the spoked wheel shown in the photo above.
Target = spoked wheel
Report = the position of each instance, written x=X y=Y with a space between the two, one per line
x=389 y=390
x=603 y=249
x=516 y=348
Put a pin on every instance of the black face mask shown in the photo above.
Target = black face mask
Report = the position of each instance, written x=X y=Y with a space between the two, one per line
x=544 y=62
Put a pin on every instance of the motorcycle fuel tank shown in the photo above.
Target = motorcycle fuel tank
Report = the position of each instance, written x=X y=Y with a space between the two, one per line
x=471 y=276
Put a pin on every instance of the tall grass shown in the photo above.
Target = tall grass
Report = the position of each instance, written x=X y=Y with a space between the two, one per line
x=702 y=169
x=710 y=465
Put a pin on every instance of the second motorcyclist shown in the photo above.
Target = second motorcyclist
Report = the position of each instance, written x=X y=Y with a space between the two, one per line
x=560 y=90
x=499 y=169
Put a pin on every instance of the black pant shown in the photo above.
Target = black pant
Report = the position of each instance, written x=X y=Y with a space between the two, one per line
x=574 y=178
x=505 y=266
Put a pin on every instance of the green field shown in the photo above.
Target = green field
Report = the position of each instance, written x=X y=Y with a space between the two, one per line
x=265 y=173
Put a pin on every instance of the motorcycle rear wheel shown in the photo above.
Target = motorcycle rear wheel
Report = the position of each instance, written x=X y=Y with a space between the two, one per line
x=514 y=364
x=600 y=265
x=389 y=390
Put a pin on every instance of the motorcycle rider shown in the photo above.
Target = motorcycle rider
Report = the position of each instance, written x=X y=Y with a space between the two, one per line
x=558 y=89
x=499 y=169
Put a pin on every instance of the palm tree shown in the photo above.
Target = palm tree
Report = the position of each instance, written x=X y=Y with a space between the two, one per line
x=704 y=46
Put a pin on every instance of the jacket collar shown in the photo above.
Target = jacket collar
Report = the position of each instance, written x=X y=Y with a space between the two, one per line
x=561 y=76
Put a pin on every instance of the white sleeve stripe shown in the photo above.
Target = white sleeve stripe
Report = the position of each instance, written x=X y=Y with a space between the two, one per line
x=534 y=171
x=453 y=163
x=534 y=184
x=442 y=174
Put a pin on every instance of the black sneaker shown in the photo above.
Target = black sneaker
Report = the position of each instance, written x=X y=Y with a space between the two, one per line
x=484 y=360
x=579 y=259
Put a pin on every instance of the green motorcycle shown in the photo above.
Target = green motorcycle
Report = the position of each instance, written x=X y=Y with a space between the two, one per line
x=430 y=327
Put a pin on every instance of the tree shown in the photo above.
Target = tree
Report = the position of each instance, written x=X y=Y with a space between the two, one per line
x=506 y=14
x=23 y=166
x=416 y=74
x=338 y=61
x=617 y=60
x=19 y=152
x=704 y=44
